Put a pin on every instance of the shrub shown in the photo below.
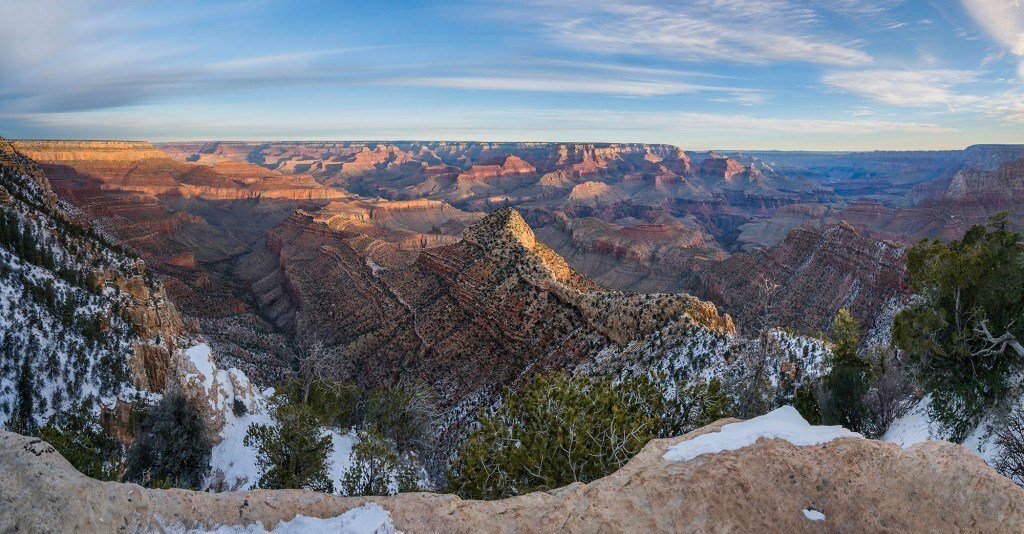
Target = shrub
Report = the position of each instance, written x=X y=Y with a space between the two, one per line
x=847 y=381
x=336 y=403
x=1009 y=433
x=962 y=333
x=408 y=478
x=752 y=387
x=372 y=466
x=694 y=406
x=238 y=408
x=559 y=430
x=889 y=397
x=806 y=402
x=172 y=447
x=293 y=452
x=404 y=414
x=85 y=443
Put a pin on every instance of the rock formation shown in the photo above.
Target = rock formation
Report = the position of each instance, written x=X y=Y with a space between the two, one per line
x=468 y=317
x=852 y=484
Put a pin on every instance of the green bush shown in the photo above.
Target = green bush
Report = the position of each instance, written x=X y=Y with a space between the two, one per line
x=293 y=452
x=372 y=466
x=806 y=402
x=85 y=443
x=336 y=403
x=562 y=429
x=846 y=383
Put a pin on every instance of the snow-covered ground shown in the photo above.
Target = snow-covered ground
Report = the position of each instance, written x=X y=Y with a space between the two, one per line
x=781 y=423
x=367 y=519
x=916 y=426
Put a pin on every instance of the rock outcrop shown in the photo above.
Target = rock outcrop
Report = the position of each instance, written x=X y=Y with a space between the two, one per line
x=192 y=224
x=485 y=175
x=854 y=485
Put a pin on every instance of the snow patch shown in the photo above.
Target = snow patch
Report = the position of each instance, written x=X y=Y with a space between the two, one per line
x=914 y=427
x=369 y=518
x=781 y=423
x=813 y=515
x=202 y=357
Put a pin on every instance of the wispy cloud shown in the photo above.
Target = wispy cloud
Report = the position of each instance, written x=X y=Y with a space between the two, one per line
x=914 y=88
x=549 y=84
x=956 y=90
x=746 y=31
x=1003 y=20
x=96 y=55
x=497 y=124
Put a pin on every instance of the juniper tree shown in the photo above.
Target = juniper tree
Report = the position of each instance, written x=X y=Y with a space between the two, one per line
x=962 y=334
x=560 y=429
x=292 y=453
x=847 y=381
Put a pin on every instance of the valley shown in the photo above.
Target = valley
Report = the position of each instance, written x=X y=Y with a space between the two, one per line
x=472 y=269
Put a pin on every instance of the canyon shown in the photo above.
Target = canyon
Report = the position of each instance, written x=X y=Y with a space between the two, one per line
x=233 y=228
x=474 y=267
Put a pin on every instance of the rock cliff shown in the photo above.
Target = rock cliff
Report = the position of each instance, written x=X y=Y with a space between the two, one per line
x=854 y=485
x=819 y=271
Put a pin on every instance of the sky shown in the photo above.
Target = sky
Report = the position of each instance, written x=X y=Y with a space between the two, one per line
x=700 y=74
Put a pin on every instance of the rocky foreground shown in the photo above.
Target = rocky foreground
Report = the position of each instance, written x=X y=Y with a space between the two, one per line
x=845 y=485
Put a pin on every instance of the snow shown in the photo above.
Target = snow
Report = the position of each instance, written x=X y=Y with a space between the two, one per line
x=781 y=423
x=369 y=518
x=202 y=357
x=914 y=427
x=813 y=514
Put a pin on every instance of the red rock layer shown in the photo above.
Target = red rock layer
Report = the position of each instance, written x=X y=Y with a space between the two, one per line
x=818 y=272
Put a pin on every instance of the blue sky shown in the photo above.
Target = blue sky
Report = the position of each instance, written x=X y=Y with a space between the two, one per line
x=732 y=74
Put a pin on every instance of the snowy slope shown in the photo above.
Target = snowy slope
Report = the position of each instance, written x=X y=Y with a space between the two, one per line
x=61 y=330
x=915 y=427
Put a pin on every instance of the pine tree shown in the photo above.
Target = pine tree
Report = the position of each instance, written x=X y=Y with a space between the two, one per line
x=24 y=421
x=172 y=447
x=847 y=380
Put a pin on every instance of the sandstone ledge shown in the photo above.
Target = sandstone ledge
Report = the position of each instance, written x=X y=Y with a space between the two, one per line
x=860 y=486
